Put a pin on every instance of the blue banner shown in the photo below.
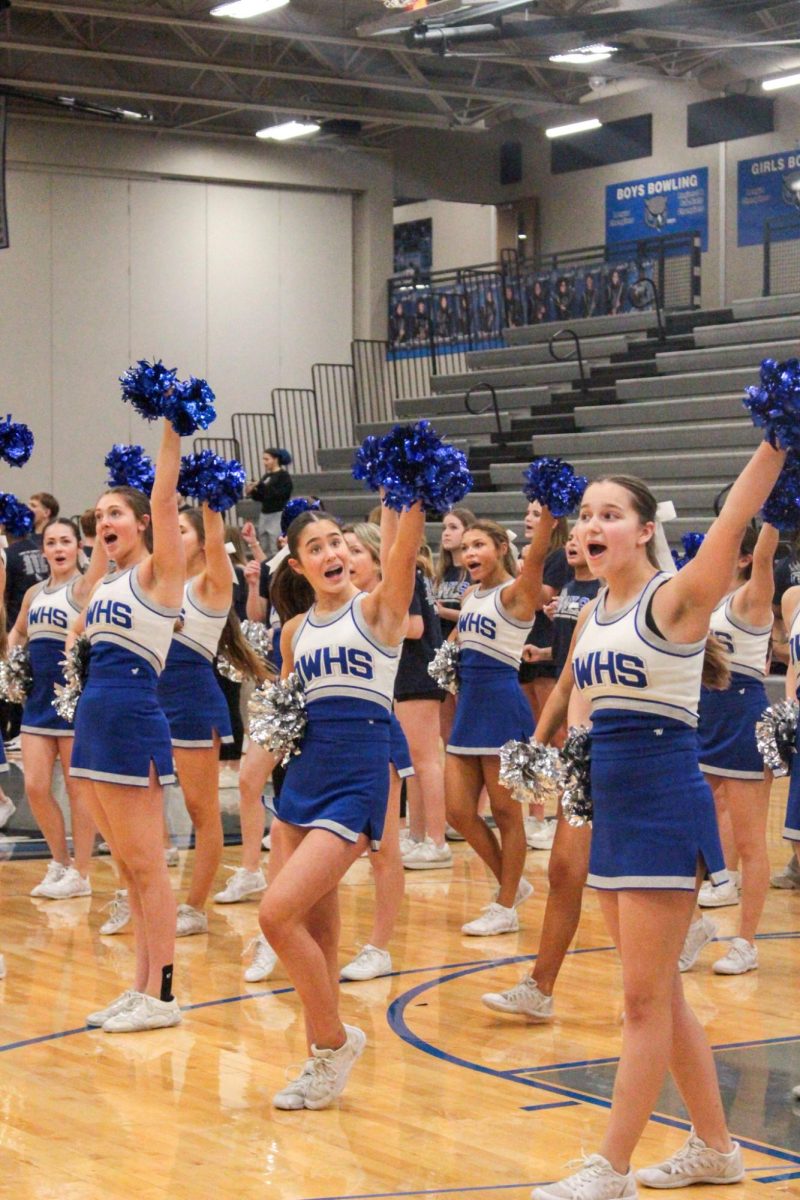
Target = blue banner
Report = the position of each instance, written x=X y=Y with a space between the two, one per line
x=768 y=186
x=644 y=208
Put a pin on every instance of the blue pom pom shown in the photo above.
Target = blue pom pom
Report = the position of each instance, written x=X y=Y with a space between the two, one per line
x=145 y=387
x=15 y=517
x=691 y=543
x=190 y=406
x=16 y=442
x=129 y=466
x=412 y=463
x=207 y=477
x=295 y=507
x=553 y=483
x=782 y=508
x=775 y=404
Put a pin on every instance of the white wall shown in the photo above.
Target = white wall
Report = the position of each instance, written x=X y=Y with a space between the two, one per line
x=463 y=234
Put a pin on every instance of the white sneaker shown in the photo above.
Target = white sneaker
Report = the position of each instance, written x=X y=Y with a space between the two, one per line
x=698 y=935
x=144 y=1012
x=741 y=957
x=263 y=961
x=453 y=835
x=190 y=920
x=241 y=884
x=7 y=810
x=293 y=1096
x=119 y=915
x=539 y=834
x=719 y=897
x=524 y=892
x=266 y=842
x=788 y=878
x=427 y=856
x=407 y=842
x=596 y=1180
x=228 y=778
x=332 y=1067
x=694 y=1162
x=2 y=967
x=116 y=1006
x=369 y=963
x=524 y=999
x=495 y=919
x=55 y=872
x=172 y=856
x=70 y=885
x=12 y=745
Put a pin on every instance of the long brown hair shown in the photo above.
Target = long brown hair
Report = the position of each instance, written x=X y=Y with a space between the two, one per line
x=643 y=502
x=500 y=538
x=139 y=504
x=716 y=666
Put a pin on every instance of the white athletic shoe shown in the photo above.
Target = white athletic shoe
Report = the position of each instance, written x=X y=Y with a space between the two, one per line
x=722 y=896
x=266 y=842
x=263 y=961
x=7 y=810
x=523 y=999
x=741 y=957
x=55 y=871
x=172 y=856
x=120 y=913
x=332 y=1068
x=694 y=1162
x=453 y=835
x=698 y=935
x=293 y=1096
x=68 y=887
x=369 y=963
x=2 y=967
x=241 y=884
x=144 y=1012
x=116 y=1006
x=494 y=919
x=524 y=892
x=596 y=1180
x=190 y=920
x=407 y=842
x=427 y=856
x=788 y=878
x=539 y=834
x=13 y=745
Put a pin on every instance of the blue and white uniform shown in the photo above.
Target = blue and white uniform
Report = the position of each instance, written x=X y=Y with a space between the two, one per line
x=491 y=705
x=653 y=811
x=51 y=615
x=727 y=727
x=399 y=753
x=340 y=779
x=120 y=728
x=791 y=828
x=188 y=690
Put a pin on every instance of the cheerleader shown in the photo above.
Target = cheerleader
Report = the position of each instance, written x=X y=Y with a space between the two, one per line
x=496 y=616
x=790 y=610
x=48 y=613
x=193 y=701
x=638 y=657
x=122 y=750
x=7 y=805
x=450 y=582
x=333 y=802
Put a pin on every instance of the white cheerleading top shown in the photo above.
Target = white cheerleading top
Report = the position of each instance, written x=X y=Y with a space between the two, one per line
x=337 y=655
x=485 y=625
x=52 y=612
x=620 y=663
x=120 y=613
x=202 y=627
x=794 y=647
x=747 y=645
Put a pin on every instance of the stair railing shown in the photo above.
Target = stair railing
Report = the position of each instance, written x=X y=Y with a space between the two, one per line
x=476 y=412
x=557 y=340
x=637 y=294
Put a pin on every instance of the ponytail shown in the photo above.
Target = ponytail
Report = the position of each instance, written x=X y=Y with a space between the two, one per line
x=716 y=666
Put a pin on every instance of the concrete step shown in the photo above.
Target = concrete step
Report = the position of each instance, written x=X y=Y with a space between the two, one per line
x=769 y=329
x=719 y=357
x=507 y=377
x=333 y=481
x=695 y=383
x=531 y=355
x=650 y=438
x=686 y=467
x=527 y=335
x=453 y=402
x=650 y=412
x=463 y=425
x=695 y=318
x=766 y=306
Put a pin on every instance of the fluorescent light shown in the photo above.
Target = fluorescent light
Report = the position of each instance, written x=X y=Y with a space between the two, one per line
x=585 y=54
x=242 y=9
x=288 y=130
x=575 y=127
x=772 y=85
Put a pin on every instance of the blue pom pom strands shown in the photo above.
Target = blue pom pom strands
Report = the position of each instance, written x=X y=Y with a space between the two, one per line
x=553 y=483
x=190 y=406
x=774 y=405
x=691 y=543
x=782 y=507
x=155 y=391
x=295 y=507
x=215 y=481
x=16 y=442
x=410 y=464
x=15 y=517
x=129 y=466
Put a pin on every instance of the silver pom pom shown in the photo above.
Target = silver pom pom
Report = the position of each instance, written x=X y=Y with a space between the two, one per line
x=531 y=772
x=576 y=799
x=76 y=669
x=443 y=667
x=228 y=670
x=16 y=679
x=278 y=716
x=775 y=736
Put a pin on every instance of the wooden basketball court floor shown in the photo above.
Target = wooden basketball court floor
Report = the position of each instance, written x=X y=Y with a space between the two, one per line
x=449 y=1098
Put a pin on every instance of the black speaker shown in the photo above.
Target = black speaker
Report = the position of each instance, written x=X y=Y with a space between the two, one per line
x=724 y=120
x=511 y=162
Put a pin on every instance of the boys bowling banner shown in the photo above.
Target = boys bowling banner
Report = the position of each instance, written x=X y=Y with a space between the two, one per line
x=767 y=187
x=644 y=208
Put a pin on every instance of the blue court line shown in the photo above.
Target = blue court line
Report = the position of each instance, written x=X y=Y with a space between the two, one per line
x=446 y=1191
x=779 y=1178
x=555 y=1104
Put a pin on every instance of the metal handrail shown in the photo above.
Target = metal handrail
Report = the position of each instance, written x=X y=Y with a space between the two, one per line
x=480 y=387
x=636 y=300
x=578 y=353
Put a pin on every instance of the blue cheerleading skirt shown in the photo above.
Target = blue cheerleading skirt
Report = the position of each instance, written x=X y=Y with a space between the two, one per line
x=399 y=753
x=340 y=779
x=491 y=706
x=654 y=813
x=3 y=761
x=192 y=700
x=120 y=728
x=726 y=732
x=791 y=826
x=38 y=714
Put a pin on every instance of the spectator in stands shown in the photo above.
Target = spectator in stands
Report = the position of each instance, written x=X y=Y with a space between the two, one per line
x=88 y=528
x=25 y=565
x=44 y=508
x=272 y=491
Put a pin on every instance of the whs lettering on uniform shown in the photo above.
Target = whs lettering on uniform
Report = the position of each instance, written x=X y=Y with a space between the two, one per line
x=48 y=616
x=610 y=666
x=335 y=660
x=478 y=623
x=113 y=612
x=794 y=648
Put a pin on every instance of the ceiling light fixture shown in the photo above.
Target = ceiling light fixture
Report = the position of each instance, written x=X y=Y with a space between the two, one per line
x=242 y=9
x=585 y=55
x=574 y=127
x=783 y=81
x=288 y=130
